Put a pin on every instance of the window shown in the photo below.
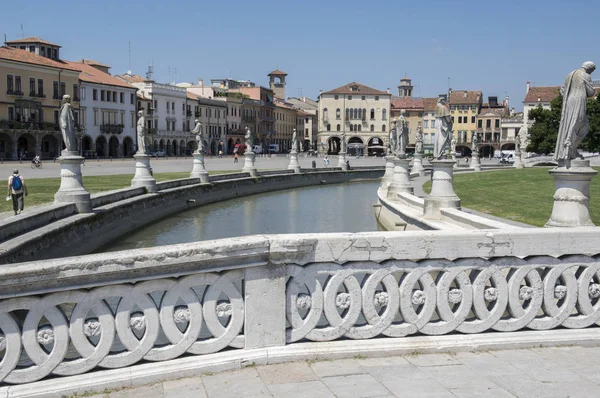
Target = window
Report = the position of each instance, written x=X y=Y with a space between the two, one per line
x=95 y=94
x=377 y=99
x=329 y=127
x=18 y=84
x=32 y=49
x=351 y=127
x=337 y=113
x=167 y=106
x=82 y=92
x=372 y=114
x=123 y=118
x=172 y=106
x=95 y=117
x=383 y=128
x=55 y=90
x=324 y=113
x=363 y=98
x=54 y=53
x=349 y=97
x=63 y=89
x=479 y=123
x=102 y=95
x=114 y=96
x=460 y=119
x=433 y=124
x=11 y=113
x=131 y=98
x=43 y=51
x=497 y=125
x=40 y=87
x=9 y=84
x=336 y=97
x=384 y=114
x=122 y=98
x=338 y=127
x=32 y=86
x=355 y=113
x=426 y=124
x=359 y=127
x=132 y=114
x=488 y=123
x=472 y=119
x=75 y=92
x=372 y=127
x=156 y=104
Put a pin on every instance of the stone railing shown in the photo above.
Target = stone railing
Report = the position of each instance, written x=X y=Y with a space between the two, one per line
x=70 y=316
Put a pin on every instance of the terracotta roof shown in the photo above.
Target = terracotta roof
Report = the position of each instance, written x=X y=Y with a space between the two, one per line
x=362 y=90
x=132 y=78
x=14 y=54
x=32 y=39
x=487 y=111
x=458 y=97
x=429 y=104
x=192 y=96
x=277 y=72
x=545 y=94
x=302 y=113
x=92 y=75
x=407 y=103
x=94 y=63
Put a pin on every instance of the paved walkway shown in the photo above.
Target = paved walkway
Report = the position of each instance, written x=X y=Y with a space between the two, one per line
x=545 y=372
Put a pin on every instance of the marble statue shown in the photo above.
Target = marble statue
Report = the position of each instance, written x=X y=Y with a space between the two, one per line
x=574 y=124
x=402 y=134
x=142 y=141
x=392 y=145
x=475 y=142
x=67 y=124
x=343 y=144
x=199 y=132
x=294 y=141
x=453 y=145
x=248 y=140
x=443 y=125
x=419 y=145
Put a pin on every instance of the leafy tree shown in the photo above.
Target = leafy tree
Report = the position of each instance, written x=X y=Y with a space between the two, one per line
x=591 y=141
x=544 y=131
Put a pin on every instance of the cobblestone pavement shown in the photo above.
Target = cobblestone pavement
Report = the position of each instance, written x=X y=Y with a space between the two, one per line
x=544 y=372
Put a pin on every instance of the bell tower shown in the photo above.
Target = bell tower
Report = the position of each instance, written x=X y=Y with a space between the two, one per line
x=277 y=83
x=405 y=89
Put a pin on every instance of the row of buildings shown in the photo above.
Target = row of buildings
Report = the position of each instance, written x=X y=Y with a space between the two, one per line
x=105 y=108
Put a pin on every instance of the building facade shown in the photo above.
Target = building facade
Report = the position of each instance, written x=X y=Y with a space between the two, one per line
x=310 y=109
x=31 y=90
x=489 y=127
x=361 y=113
x=108 y=112
x=464 y=108
x=428 y=124
x=285 y=123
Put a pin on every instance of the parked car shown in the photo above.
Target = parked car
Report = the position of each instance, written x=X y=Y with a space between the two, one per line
x=508 y=158
x=159 y=154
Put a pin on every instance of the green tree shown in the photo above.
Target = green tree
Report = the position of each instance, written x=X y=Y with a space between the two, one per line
x=592 y=140
x=544 y=131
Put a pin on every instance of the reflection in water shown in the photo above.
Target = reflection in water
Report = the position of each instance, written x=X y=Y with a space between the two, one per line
x=326 y=208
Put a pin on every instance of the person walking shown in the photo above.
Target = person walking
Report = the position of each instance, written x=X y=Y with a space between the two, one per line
x=326 y=161
x=16 y=189
x=235 y=157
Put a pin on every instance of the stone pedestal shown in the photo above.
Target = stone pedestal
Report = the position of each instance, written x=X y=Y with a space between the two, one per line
x=388 y=176
x=418 y=164
x=71 y=187
x=143 y=175
x=401 y=179
x=454 y=160
x=198 y=170
x=518 y=160
x=294 y=162
x=442 y=189
x=572 y=195
x=475 y=162
x=249 y=159
x=342 y=161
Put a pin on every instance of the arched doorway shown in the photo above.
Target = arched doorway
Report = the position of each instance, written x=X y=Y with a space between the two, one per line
x=169 y=148
x=175 y=149
x=5 y=146
x=128 y=147
x=333 y=145
x=49 y=147
x=26 y=146
x=154 y=146
x=101 y=150
x=509 y=146
x=376 y=147
x=486 y=151
x=214 y=148
x=86 y=146
x=306 y=145
x=356 y=146
x=191 y=146
x=113 y=147
x=464 y=150
x=161 y=145
x=230 y=146
x=182 y=148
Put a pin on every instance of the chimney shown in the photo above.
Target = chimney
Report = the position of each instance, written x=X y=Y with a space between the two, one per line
x=388 y=90
x=506 y=101
x=465 y=94
x=200 y=82
x=528 y=86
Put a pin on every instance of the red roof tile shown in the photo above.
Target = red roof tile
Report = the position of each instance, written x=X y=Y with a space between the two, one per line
x=361 y=90
x=92 y=75
x=408 y=103
x=94 y=63
x=277 y=72
x=545 y=94
x=131 y=78
x=14 y=54
x=465 y=97
x=32 y=39
x=429 y=104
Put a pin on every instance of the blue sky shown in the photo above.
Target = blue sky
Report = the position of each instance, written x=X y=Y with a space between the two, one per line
x=492 y=46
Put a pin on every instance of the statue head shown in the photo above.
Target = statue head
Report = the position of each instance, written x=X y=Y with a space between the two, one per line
x=589 y=66
x=441 y=100
x=402 y=112
x=196 y=121
x=140 y=113
x=66 y=99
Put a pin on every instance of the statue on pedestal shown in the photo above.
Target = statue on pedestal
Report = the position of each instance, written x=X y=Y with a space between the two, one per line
x=248 y=140
x=343 y=143
x=67 y=124
x=142 y=141
x=453 y=145
x=419 y=145
x=443 y=124
x=402 y=134
x=574 y=124
x=198 y=131
x=475 y=142
x=392 y=145
x=294 y=141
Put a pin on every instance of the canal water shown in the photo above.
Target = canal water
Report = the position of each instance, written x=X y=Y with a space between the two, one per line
x=325 y=208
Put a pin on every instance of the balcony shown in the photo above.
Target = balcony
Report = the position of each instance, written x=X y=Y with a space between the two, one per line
x=14 y=92
x=33 y=94
x=111 y=128
x=188 y=113
x=250 y=119
x=18 y=125
x=197 y=114
x=150 y=111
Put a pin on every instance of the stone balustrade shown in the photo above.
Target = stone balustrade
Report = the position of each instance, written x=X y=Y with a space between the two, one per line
x=69 y=316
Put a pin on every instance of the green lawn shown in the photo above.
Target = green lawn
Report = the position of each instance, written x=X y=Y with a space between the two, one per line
x=42 y=190
x=523 y=195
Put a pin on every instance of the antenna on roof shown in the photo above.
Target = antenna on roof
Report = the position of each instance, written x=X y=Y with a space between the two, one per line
x=150 y=73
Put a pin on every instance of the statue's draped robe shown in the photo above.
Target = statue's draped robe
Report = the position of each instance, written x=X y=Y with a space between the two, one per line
x=199 y=138
x=141 y=137
x=574 y=124
x=67 y=127
x=401 y=137
x=392 y=146
x=443 y=132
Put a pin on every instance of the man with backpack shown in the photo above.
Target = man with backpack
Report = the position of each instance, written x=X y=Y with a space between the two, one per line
x=16 y=189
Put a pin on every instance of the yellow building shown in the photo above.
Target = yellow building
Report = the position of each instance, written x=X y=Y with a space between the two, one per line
x=464 y=108
x=32 y=83
x=285 y=123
